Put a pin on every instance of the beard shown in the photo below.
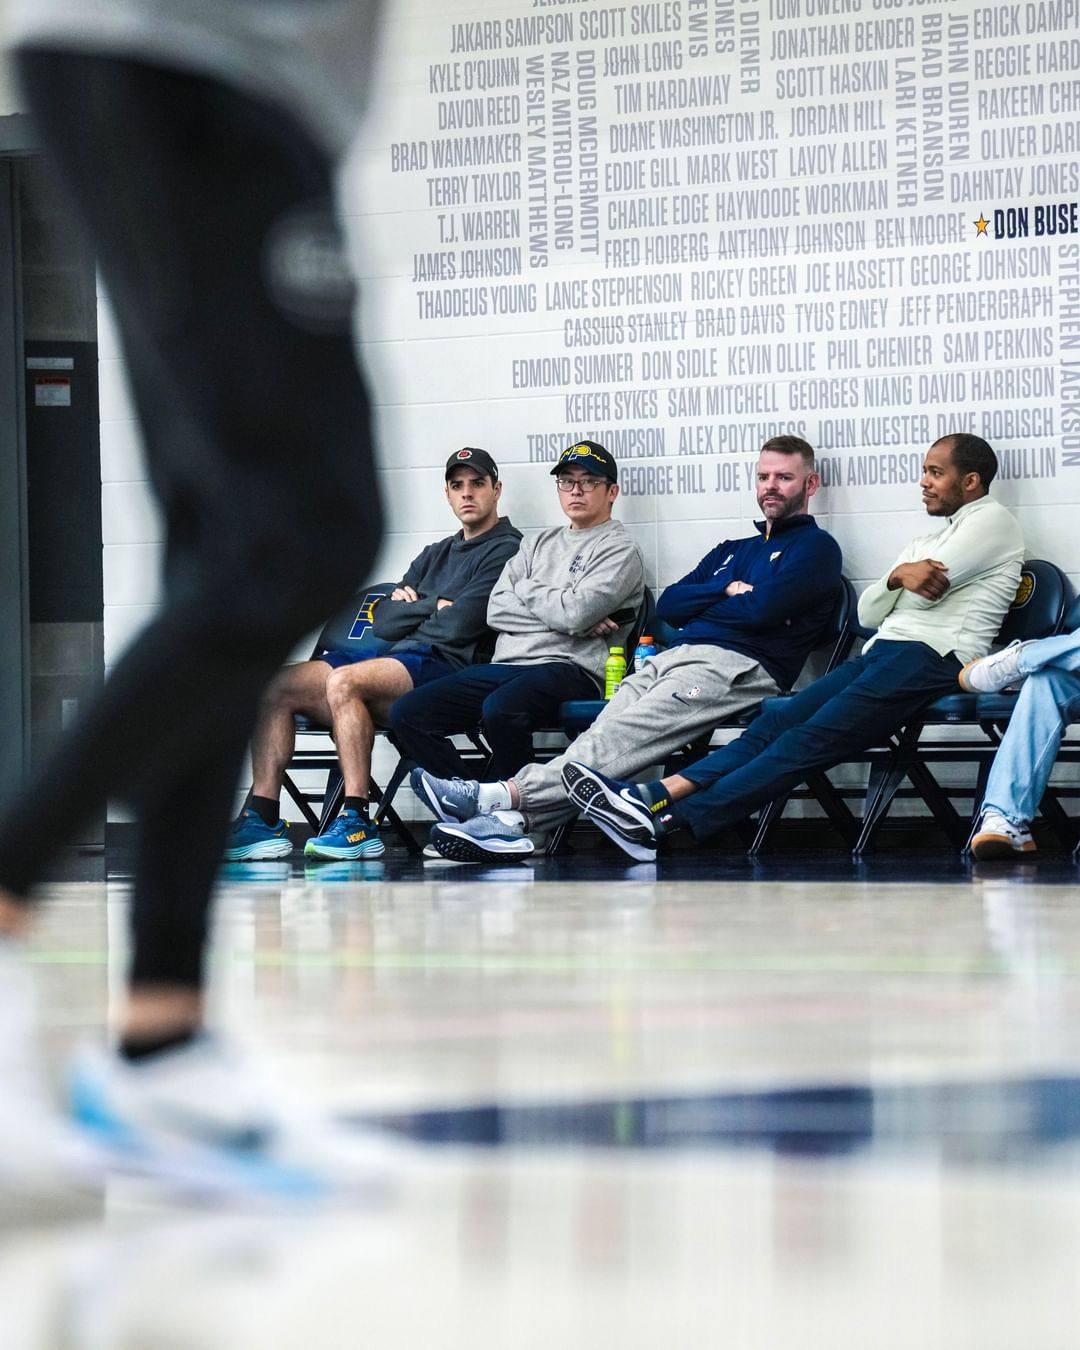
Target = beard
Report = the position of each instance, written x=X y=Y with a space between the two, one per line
x=791 y=506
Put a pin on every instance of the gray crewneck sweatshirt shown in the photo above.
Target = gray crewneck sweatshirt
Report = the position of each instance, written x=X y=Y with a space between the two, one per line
x=557 y=587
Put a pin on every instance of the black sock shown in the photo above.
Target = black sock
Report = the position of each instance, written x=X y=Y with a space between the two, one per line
x=666 y=820
x=357 y=804
x=136 y=1048
x=664 y=815
x=266 y=807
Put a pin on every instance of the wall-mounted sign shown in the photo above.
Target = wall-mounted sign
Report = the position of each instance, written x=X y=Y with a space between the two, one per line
x=52 y=391
x=50 y=363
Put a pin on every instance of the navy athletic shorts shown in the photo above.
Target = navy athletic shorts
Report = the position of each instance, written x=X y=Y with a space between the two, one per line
x=424 y=664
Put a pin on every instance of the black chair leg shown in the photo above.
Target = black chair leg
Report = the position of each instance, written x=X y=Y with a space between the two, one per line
x=882 y=786
x=768 y=816
x=981 y=780
x=557 y=841
x=836 y=810
x=387 y=795
x=301 y=801
x=332 y=800
x=385 y=812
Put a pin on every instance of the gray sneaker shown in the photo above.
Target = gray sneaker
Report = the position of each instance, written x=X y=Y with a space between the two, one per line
x=448 y=799
x=482 y=839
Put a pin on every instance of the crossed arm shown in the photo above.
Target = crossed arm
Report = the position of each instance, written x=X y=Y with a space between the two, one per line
x=520 y=603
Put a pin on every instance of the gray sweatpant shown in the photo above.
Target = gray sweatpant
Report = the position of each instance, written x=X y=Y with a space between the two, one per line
x=681 y=693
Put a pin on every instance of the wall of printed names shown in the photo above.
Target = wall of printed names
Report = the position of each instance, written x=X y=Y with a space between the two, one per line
x=681 y=227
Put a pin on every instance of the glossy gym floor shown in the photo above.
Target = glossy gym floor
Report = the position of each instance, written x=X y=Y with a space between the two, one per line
x=799 y=1102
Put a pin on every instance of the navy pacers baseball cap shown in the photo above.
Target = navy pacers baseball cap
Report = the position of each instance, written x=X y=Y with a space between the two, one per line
x=589 y=455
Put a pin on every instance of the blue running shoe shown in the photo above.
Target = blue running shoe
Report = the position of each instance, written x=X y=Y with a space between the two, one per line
x=350 y=835
x=482 y=839
x=252 y=840
x=619 y=809
x=448 y=799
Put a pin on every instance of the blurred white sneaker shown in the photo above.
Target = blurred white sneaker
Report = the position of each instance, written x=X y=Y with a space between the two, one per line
x=201 y=1118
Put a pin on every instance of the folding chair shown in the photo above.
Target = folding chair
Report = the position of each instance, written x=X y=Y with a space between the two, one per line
x=348 y=630
x=1038 y=611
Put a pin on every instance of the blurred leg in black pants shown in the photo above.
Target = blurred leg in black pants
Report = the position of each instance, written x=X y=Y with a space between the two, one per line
x=212 y=216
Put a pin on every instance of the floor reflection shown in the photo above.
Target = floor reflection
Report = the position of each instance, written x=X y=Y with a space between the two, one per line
x=1017 y=1119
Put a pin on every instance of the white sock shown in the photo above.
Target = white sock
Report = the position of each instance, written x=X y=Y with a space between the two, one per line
x=514 y=819
x=493 y=797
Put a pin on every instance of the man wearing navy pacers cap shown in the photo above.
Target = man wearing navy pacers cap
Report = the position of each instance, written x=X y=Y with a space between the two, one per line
x=561 y=599
x=429 y=626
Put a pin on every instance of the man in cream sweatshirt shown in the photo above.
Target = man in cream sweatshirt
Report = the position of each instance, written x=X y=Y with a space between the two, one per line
x=939 y=607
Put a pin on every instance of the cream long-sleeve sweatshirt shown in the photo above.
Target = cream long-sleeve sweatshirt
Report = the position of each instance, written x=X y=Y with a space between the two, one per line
x=982 y=548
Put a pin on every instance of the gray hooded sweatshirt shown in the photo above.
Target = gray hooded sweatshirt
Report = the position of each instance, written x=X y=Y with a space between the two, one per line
x=456 y=569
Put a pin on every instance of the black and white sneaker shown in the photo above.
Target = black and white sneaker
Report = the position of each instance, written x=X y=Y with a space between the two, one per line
x=616 y=807
x=482 y=839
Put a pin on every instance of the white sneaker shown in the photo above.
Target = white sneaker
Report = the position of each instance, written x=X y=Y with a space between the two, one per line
x=201 y=1118
x=994 y=672
x=998 y=837
x=41 y=1152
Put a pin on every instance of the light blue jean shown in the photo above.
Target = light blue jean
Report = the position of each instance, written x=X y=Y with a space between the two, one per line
x=1049 y=700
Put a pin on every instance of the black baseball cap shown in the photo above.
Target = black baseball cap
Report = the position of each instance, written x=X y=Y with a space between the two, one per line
x=589 y=455
x=471 y=458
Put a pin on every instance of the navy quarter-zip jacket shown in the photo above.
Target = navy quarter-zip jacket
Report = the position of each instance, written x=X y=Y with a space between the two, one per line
x=795 y=573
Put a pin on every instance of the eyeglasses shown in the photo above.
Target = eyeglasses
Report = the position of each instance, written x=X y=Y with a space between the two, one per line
x=567 y=484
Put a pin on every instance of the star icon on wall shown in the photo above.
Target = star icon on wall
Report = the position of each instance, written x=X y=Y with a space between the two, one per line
x=981 y=224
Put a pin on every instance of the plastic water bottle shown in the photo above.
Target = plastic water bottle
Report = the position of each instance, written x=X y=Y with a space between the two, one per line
x=645 y=648
x=614 y=670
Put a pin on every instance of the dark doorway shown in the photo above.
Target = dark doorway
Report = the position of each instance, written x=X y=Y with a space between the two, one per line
x=51 y=590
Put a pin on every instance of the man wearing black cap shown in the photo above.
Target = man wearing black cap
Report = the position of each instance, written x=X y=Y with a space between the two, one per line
x=431 y=625
x=561 y=599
